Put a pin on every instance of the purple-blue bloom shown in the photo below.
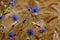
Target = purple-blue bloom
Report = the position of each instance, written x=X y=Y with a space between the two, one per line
x=0 y=16
x=14 y=18
x=33 y=9
x=42 y=30
x=30 y=32
x=11 y=35
x=12 y=2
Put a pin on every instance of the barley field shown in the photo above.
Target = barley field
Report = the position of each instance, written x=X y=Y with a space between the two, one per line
x=48 y=18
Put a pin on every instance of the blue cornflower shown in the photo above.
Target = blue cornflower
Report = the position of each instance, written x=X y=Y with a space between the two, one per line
x=11 y=35
x=30 y=32
x=0 y=16
x=14 y=18
x=12 y=2
x=42 y=30
x=33 y=9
